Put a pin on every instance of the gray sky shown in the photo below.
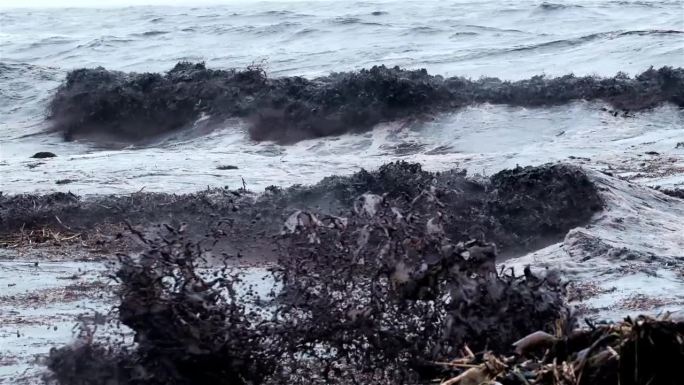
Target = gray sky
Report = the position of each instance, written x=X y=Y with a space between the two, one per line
x=107 y=3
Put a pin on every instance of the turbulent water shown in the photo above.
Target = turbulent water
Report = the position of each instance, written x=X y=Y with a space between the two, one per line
x=509 y=40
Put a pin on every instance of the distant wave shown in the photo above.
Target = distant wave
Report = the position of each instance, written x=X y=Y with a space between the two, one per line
x=557 y=6
x=275 y=13
x=653 y=32
x=352 y=20
x=150 y=33
x=554 y=44
x=103 y=41
x=21 y=83
x=52 y=40
x=288 y=109
x=346 y=20
x=649 y=4
x=464 y=33
x=563 y=42
x=592 y=37
x=275 y=28
x=307 y=31
x=18 y=70
x=208 y=16
x=492 y=29
x=423 y=30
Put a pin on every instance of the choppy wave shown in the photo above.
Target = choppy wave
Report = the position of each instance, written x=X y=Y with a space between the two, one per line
x=25 y=90
x=52 y=41
x=150 y=33
x=104 y=41
x=592 y=37
x=521 y=34
x=465 y=33
x=557 y=6
x=424 y=29
x=493 y=29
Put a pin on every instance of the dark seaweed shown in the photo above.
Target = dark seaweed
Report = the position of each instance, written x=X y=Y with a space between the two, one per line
x=100 y=103
x=375 y=297
x=519 y=210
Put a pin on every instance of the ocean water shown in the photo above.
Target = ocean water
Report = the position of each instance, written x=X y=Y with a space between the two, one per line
x=507 y=39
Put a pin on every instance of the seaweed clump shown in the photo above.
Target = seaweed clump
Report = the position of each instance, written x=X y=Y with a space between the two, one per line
x=100 y=103
x=519 y=210
x=383 y=295
x=190 y=326
x=380 y=295
x=521 y=203
x=132 y=107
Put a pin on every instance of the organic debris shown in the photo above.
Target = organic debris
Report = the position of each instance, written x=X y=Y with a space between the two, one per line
x=373 y=297
x=519 y=210
x=386 y=289
x=674 y=192
x=378 y=297
x=374 y=287
x=25 y=238
x=640 y=351
x=133 y=107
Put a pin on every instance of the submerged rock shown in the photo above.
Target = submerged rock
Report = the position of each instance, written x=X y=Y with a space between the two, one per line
x=226 y=167
x=130 y=106
x=43 y=155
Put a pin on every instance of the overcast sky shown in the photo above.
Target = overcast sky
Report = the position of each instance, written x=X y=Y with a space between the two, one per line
x=107 y=3
x=121 y=3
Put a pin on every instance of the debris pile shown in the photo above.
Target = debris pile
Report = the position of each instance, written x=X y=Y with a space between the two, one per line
x=373 y=297
x=189 y=327
x=34 y=237
x=102 y=104
x=636 y=351
x=374 y=289
x=381 y=295
x=519 y=210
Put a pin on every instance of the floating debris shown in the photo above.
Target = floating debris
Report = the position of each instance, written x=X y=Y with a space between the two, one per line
x=226 y=167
